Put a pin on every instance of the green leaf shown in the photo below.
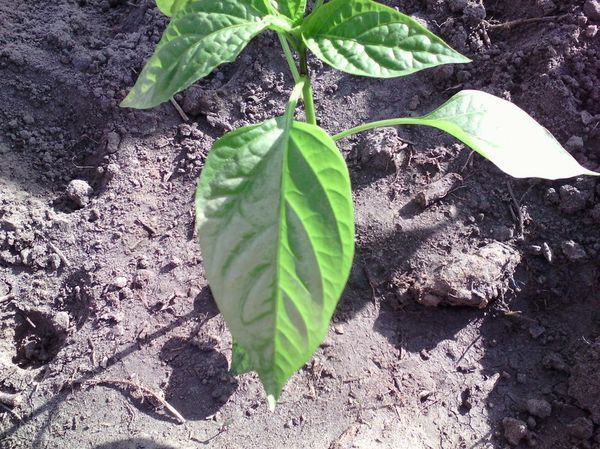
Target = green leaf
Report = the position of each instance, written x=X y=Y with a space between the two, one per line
x=275 y=223
x=293 y=9
x=240 y=360
x=365 y=38
x=505 y=134
x=170 y=7
x=201 y=36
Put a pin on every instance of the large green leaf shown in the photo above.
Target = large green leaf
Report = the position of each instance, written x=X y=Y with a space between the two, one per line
x=505 y=134
x=170 y=7
x=275 y=223
x=201 y=36
x=293 y=9
x=366 y=38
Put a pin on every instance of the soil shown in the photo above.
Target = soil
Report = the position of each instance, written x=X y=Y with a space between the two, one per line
x=105 y=311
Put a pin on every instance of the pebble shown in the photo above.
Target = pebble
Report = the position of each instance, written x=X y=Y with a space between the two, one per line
x=112 y=142
x=591 y=8
x=120 y=282
x=61 y=321
x=574 y=143
x=547 y=252
x=539 y=408
x=581 y=428
x=591 y=31
x=79 y=192
x=514 y=430
x=573 y=251
x=338 y=329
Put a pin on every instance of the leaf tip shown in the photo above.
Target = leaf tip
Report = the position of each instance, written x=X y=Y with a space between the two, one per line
x=271 y=402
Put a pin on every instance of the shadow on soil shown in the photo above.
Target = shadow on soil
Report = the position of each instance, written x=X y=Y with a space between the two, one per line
x=208 y=365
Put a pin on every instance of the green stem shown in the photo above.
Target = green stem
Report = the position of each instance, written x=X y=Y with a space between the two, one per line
x=307 y=92
x=309 y=102
x=289 y=57
x=294 y=97
x=380 y=124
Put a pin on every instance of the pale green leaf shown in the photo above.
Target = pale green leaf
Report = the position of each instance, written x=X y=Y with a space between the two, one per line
x=505 y=134
x=363 y=37
x=201 y=36
x=293 y=9
x=275 y=223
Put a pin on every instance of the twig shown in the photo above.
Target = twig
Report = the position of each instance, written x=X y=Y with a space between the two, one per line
x=60 y=254
x=151 y=230
x=514 y=23
x=517 y=209
x=7 y=298
x=178 y=109
x=467 y=350
x=146 y=390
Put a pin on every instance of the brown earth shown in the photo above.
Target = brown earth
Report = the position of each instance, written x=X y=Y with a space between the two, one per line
x=104 y=307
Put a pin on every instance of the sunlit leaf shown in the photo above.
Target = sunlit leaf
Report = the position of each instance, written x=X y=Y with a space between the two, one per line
x=275 y=223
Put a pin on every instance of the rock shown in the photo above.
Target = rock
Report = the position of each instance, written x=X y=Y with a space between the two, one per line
x=551 y=196
x=338 y=329
x=539 y=407
x=120 y=282
x=547 y=252
x=581 y=428
x=473 y=279
x=573 y=251
x=112 y=142
x=197 y=100
x=574 y=143
x=591 y=8
x=591 y=31
x=514 y=430
x=572 y=199
x=79 y=192
x=586 y=118
x=61 y=321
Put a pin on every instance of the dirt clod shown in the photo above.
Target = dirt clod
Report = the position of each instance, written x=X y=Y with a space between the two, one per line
x=468 y=279
x=539 y=408
x=514 y=430
x=581 y=428
x=79 y=192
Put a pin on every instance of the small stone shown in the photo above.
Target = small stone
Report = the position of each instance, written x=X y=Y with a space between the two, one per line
x=514 y=430
x=143 y=262
x=572 y=199
x=581 y=428
x=547 y=252
x=539 y=408
x=338 y=329
x=551 y=196
x=94 y=214
x=591 y=8
x=54 y=261
x=573 y=251
x=120 y=282
x=61 y=321
x=112 y=142
x=531 y=422
x=586 y=118
x=591 y=31
x=79 y=192
x=574 y=143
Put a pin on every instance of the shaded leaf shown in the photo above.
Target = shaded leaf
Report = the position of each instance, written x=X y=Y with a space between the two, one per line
x=366 y=38
x=275 y=223
x=293 y=9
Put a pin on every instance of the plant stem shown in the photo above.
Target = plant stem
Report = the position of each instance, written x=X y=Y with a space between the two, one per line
x=289 y=57
x=307 y=92
x=309 y=103
x=381 y=124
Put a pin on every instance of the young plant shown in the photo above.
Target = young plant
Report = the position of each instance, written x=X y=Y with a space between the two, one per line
x=273 y=203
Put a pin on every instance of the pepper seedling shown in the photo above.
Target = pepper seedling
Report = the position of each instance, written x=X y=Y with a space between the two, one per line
x=273 y=204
